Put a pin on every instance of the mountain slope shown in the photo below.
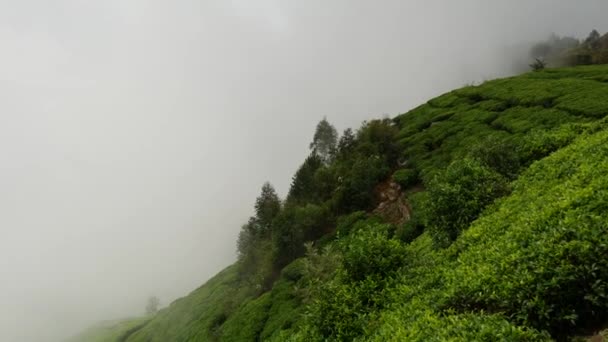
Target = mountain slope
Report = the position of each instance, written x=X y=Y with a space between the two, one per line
x=118 y=330
x=508 y=242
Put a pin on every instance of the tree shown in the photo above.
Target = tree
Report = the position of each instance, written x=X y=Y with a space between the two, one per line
x=593 y=39
x=267 y=206
x=356 y=191
x=303 y=186
x=346 y=143
x=152 y=306
x=538 y=65
x=324 y=141
x=254 y=253
x=247 y=238
x=296 y=225
x=379 y=137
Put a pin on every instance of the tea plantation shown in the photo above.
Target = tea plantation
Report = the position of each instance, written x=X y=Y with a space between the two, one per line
x=506 y=239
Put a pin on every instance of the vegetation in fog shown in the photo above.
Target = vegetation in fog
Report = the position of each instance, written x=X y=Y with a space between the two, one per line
x=570 y=51
x=506 y=195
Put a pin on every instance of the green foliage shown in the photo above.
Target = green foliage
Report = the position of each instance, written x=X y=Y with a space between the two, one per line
x=285 y=311
x=324 y=141
x=369 y=252
x=458 y=195
x=346 y=144
x=198 y=316
x=296 y=225
x=500 y=155
x=267 y=207
x=325 y=184
x=246 y=242
x=531 y=264
x=464 y=327
x=378 y=138
x=254 y=245
x=345 y=303
x=435 y=134
x=363 y=161
x=346 y=223
x=114 y=331
x=540 y=143
x=356 y=190
x=418 y=221
x=542 y=268
x=295 y=271
x=342 y=310
x=406 y=178
x=303 y=186
x=248 y=321
x=518 y=120
x=411 y=229
x=320 y=265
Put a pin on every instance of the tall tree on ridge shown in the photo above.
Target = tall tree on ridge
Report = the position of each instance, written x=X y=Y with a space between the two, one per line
x=267 y=206
x=324 y=141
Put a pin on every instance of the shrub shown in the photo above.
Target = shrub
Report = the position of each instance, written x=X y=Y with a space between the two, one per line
x=465 y=327
x=538 y=64
x=417 y=223
x=354 y=221
x=406 y=178
x=295 y=270
x=319 y=266
x=340 y=311
x=411 y=230
x=538 y=258
x=540 y=143
x=458 y=195
x=370 y=252
x=246 y=323
x=499 y=155
x=345 y=304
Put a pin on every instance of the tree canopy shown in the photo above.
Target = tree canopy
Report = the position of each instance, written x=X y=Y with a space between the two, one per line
x=324 y=141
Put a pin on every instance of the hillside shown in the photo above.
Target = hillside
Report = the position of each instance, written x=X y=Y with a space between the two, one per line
x=504 y=236
x=117 y=330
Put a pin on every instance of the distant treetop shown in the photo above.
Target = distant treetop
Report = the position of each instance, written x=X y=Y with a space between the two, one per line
x=324 y=141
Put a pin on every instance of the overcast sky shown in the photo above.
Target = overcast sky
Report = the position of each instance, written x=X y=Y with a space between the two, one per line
x=135 y=135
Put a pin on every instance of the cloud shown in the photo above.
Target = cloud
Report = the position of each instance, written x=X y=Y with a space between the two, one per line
x=264 y=12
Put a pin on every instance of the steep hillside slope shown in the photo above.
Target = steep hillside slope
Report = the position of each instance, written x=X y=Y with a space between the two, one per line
x=536 y=258
x=507 y=242
x=118 y=330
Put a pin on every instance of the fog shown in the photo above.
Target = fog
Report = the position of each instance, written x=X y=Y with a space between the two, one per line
x=135 y=135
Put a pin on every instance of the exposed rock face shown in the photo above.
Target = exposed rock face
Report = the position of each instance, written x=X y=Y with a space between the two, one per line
x=392 y=204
